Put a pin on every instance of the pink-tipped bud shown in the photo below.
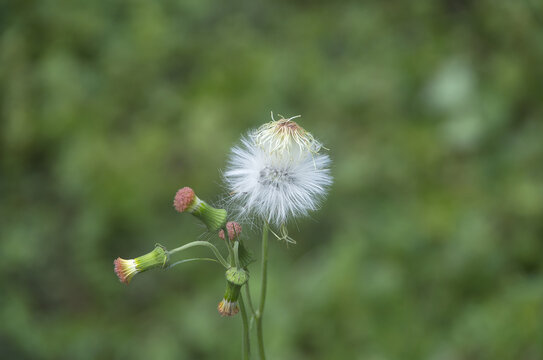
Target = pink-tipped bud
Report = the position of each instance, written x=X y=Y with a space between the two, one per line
x=184 y=199
x=234 y=230
x=125 y=269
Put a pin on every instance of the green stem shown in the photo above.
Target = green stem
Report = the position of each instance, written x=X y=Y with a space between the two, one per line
x=202 y=243
x=249 y=300
x=236 y=256
x=245 y=342
x=264 y=280
x=228 y=246
x=189 y=260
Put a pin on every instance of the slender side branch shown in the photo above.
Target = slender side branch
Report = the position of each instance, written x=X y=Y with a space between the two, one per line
x=193 y=259
x=202 y=243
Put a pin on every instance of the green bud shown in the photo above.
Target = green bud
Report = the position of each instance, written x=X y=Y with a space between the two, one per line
x=127 y=269
x=237 y=276
x=213 y=218
x=229 y=304
x=156 y=258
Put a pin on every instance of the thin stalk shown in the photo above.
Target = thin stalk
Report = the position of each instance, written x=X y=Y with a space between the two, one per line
x=202 y=243
x=236 y=256
x=264 y=280
x=228 y=246
x=245 y=341
x=230 y=252
x=249 y=300
x=189 y=260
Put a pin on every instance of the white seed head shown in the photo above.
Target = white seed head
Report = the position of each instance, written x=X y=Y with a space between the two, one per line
x=277 y=173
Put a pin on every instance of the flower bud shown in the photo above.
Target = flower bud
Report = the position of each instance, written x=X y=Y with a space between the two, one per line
x=235 y=278
x=234 y=230
x=186 y=200
x=127 y=269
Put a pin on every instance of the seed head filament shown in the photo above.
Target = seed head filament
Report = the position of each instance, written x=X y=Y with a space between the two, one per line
x=275 y=176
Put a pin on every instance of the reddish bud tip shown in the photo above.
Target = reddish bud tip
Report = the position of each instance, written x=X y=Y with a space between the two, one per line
x=234 y=230
x=125 y=269
x=183 y=199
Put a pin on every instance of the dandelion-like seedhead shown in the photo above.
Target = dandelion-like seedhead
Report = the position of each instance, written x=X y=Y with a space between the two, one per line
x=277 y=173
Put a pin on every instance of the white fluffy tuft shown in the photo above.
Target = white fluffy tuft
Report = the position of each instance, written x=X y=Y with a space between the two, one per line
x=275 y=185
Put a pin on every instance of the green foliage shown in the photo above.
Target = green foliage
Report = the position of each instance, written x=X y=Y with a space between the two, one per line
x=428 y=247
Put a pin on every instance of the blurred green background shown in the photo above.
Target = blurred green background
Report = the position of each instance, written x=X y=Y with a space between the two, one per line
x=429 y=246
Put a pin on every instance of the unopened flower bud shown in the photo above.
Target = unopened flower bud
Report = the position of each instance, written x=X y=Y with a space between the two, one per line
x=127 y=269
x=235 y=278
x=186 y=200
x=234 y=230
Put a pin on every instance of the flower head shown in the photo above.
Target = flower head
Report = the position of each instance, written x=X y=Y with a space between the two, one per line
x=277 y=173
x=127 y=269
x=185 y=200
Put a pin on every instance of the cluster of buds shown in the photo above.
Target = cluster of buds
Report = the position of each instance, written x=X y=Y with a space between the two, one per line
x=234 y=230
x=127 y=269
x=235 y=278
x=186 y=201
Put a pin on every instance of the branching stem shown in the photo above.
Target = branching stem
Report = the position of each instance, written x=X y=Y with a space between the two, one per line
x=202 y=243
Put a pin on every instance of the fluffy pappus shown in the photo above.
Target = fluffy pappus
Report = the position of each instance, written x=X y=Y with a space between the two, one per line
x=277 y=173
